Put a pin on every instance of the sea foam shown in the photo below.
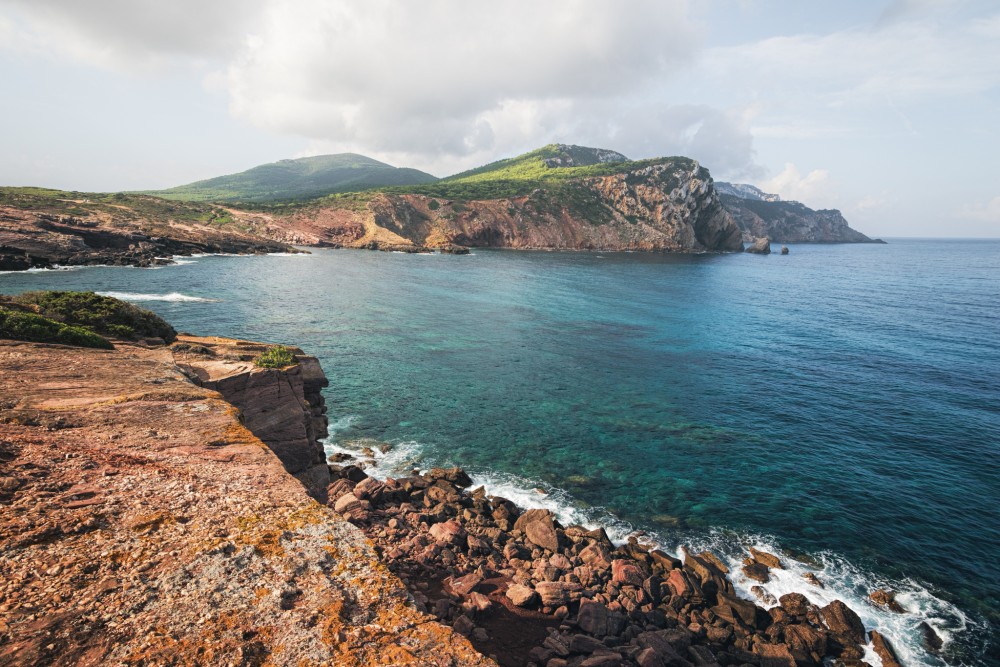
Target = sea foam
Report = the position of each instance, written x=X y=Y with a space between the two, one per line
x=172 y=296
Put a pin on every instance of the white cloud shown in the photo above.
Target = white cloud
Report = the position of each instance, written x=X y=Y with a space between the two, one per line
x=815 y=189
x=987 y=212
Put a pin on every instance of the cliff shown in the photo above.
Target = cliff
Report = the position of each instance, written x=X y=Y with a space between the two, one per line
x=554 y=198
x=762 y=215
x=42 y=228
x=144 y=521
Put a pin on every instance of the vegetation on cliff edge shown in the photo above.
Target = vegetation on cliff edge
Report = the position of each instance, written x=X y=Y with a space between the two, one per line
x=32 y=327
x=100 y=314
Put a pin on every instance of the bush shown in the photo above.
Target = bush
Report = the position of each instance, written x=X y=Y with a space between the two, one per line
x=278 y=356
x=101 y=314
x=19 y=325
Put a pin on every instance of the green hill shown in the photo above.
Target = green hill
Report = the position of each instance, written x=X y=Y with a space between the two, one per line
x=303 y=178
x=555 y=167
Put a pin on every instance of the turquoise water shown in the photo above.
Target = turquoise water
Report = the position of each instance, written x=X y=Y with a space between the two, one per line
x=842 y=401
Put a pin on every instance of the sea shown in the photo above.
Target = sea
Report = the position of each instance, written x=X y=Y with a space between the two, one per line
x=839 y=405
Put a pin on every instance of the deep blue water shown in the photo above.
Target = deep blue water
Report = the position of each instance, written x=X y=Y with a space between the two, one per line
x=842 y=401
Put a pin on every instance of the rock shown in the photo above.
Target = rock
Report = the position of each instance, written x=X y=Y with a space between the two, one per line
x=813 y=579
x=596 y=619
x=805 y=641
x=930 y=639
x=477 y=604
x=702 y=656
x=455 y=476
x=649 y=658
x=669 y=652
x=883 y=649
x=774 y=655
x=794 y=604
x=596 y=556
x=584 y=644
x=521 y=596
x=759 y=246
x=448 y=532
x=678 y=582
x=841 y=620
x=538 y=526
x=602 y=660
x=764 y=597
x=784 y=250
x=557 y=645
x=626 y=573
x=756 y=571
x=560 y=562
x=714 y=560
x=736 y=610
x=464 y=585
x=664 y=560
x=887 y=600
x=463 y=625
x=557 y=593
x=346 y=503
x=767 y=559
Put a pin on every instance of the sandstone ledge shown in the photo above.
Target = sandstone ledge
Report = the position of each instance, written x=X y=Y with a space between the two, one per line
x=143 y=524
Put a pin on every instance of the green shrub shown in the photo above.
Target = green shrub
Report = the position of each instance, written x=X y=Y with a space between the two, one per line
x=434 y=205
x=101 y=314
x=278 y=356
x=19 y=325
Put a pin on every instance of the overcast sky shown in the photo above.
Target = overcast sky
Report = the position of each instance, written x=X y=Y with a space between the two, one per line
x=889 y=111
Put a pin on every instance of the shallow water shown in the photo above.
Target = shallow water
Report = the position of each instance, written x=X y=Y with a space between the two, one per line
x=841 y=401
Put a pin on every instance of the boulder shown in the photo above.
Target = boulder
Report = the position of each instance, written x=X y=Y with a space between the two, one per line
x=813 y=579
x=886 y=599
x=760 y=246
x=774 y=655
x=767 y=559
x=930 y=639
x=795 y=604
x=756 y=571
x=596 y=619
x=521 y=596
x=596 y=556
x=456 y=476
x=346 y=503
x=462 y=586
x=539 y=527
x=764 y=597
x=841 y=620
x=678 y=582
x=664 y=560
x=557 y=593
x=448 y=532
x=602 y=660
x=624 y=572
x=784 y=250
x=883 y=649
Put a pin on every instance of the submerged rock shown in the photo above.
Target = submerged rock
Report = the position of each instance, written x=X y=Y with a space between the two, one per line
x=759 y=246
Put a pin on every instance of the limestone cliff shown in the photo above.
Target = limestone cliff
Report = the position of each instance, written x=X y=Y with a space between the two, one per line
x=141 y=523
x=763 y=215
x=668 y=204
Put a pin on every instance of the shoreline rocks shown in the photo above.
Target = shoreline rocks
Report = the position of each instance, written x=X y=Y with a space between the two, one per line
x=528 y=591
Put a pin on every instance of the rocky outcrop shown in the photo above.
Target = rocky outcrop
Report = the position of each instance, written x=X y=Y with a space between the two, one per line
x=32 y=238
x=669 y=206
x=787 y=221
x=141 y=523
x=284 y=407
x=759 y=246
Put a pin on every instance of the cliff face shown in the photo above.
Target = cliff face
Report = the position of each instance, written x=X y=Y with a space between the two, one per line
x=786 y=221
x=142 y=523
x=283 y=407
x=669 y=206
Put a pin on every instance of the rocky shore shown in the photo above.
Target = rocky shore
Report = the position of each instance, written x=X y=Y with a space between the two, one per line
x=529 y=591
x=172 y=505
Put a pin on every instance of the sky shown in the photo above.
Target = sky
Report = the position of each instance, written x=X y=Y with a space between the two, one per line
x=888 y=111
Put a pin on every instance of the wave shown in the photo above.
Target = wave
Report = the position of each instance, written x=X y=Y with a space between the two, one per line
x=172 y=296
x=841 y=579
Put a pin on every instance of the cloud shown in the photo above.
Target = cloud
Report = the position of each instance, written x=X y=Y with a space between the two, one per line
x=988 y=212
x=814 y=189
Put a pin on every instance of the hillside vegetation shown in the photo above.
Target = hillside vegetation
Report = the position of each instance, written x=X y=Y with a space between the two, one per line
x=303 y=178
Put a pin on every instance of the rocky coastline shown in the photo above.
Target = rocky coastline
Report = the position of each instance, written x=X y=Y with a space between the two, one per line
x=528 y=591
x=172 y=504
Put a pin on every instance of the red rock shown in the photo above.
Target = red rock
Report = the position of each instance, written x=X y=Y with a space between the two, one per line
x=678 y=583
x=596 y=556
x=756 y=571
x=883 y=649
x=448 y=532
x=464 y=585
x=794 y=604
x=557 y=593
x=774 y=655
x=842 y=620
x=626 y=573
x=346 y=503
x=521 y=596
x=765 y=558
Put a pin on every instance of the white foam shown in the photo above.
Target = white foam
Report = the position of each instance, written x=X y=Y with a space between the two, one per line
x=847 y=582
x=172 y=296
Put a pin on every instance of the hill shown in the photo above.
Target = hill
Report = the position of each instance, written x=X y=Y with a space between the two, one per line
x=302 y=178
x=555 y=197
x=760 y=214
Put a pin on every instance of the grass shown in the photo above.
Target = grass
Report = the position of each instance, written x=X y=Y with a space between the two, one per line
x=278 y=356
x=101 y=315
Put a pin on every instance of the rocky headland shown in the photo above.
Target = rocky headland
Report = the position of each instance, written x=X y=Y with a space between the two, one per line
x=145 y=522
x=762 y=215
x=43 y=229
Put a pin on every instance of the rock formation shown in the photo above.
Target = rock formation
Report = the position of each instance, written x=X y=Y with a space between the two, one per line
x=669 y=205
x=761 y=214
x=759 y=246
x=143 y=524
